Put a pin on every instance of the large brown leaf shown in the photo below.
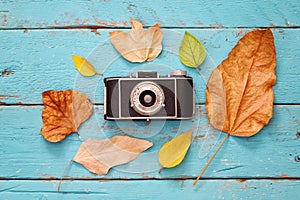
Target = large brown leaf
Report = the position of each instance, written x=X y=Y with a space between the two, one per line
x=137 y=45
x=239 y=95
x=63 y=113
x=98 y=156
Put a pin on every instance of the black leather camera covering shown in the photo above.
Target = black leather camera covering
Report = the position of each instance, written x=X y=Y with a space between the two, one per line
x=185 y=103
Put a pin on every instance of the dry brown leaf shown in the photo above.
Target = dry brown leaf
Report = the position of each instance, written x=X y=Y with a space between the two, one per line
x=63 y=113
x=98 y=156
x=239 y=95
x=137 y=45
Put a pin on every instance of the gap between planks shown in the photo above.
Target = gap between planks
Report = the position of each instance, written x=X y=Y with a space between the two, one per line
x=145 y=27
x=147 y=179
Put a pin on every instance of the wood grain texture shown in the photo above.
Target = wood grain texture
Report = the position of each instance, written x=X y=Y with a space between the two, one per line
x=41 y=60
x=271 y=153
x=35 y=55
x=179 y=13
x=152 y=189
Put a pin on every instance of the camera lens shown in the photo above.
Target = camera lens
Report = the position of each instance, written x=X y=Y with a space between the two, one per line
x=147 y=98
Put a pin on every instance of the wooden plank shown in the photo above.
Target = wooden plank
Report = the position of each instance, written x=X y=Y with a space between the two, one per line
x=179 y=13
x=41 y=60
x=152 y=189
x=274 y=152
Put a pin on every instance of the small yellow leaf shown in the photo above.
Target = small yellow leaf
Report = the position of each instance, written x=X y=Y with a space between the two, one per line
x=173 y=152
x=84 y=67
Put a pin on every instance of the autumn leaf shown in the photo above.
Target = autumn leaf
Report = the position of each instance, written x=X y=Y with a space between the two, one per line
x=138 y=45
x=98 y=156
x=83 y=66
x=239 y=95
x=63 y=113
x=173 y=152
x=191 y=52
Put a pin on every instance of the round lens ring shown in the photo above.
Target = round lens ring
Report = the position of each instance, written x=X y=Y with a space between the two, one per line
x=147 y=98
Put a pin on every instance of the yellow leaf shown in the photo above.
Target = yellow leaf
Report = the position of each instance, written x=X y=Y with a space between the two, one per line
x=84 y=67
x=173 y=152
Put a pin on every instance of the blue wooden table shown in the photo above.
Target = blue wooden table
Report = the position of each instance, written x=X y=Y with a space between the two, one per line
x=37 y=41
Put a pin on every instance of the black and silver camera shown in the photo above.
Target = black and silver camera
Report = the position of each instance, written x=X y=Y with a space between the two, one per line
x=148 y=96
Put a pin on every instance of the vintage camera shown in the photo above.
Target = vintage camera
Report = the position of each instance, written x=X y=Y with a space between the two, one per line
x=148 y=96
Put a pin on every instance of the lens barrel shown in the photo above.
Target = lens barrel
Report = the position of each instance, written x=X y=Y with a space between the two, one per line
x=147 y=98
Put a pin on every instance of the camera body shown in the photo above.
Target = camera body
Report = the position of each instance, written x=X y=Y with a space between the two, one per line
x=148 y=96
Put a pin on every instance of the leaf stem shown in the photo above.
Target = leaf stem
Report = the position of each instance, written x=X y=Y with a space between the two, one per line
x=209 y=161
x=198 y=69
x=65 y=170
x=160 y=170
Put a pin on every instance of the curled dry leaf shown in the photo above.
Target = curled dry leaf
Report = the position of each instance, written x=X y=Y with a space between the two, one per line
x=137 y=45
x=98 y=156
x=173 y=152
x=63 y=113
x=239 y=95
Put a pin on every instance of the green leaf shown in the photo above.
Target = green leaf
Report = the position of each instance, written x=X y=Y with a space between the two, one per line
x=191 y=52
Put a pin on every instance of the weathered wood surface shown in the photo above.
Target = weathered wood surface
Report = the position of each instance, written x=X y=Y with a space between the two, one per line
x=189 y=13
x=41 y=60
x=274 y=152
x=37 y=41
x=151 y=189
